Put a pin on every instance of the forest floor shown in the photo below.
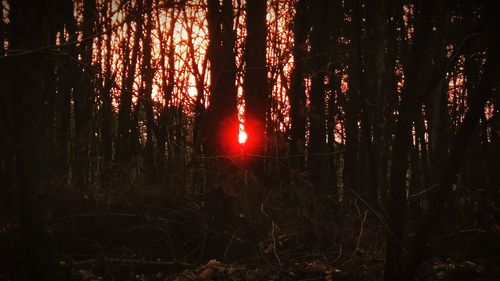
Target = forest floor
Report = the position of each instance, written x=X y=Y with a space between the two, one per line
x=216 y=236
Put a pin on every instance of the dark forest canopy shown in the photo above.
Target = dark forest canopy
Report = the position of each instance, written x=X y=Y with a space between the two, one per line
x=249 y=130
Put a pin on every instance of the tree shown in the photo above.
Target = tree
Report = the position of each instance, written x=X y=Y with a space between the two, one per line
x=317 y=116
x=353 y=108
x=84 y=96
x=462 y=139
x=147 y=89
x=256 y=89
x=297 y=92
x=223 y=131
x=107 y=109
x=223 y=96
x=411 y=99
x=125 y=144
x=6 y=140
x=30 y=22
x=167 y=76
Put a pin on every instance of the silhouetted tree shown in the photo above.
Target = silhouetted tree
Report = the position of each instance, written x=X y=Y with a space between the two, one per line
x=411 y=99
x=125 y=143
x=222 y=131
x=107 y=123
x=30 y=23
x=256 y=89
x=147 y=88
x=84 y=96
x=297 y=92
x=462 y=139
x=318 y=64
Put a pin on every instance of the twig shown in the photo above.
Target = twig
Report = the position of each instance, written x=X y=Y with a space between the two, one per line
x=273 y=234
x=148 y=219
x=230 y=243
x=125 y=261
x=379 y=216
x=361 y=227
x=339 y=255
x=269 y=156
x=101 y=248
x=458 y=233
x=422 y=192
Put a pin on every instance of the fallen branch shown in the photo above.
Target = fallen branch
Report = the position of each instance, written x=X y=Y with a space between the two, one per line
x=145 y=218
x=124 y=261
x=456 y=234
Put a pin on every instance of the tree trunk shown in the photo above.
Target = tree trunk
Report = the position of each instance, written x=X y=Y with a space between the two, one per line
x=84 y=97
x=461 y=141
x=199 y=109
x=411 y=99
x=7 y=142
x=256 y=89
x=167 y=70
x=125 y=148
x=318 y=64
x=107 y=109
x=297 y=94
x=380 y=76
x=29 y=21
x=352 y=110
x=148 y=75
x=223 y=133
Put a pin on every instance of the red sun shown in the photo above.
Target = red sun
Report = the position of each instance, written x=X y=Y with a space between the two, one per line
x=242 y=137
x=237 y=138
x=251 y=136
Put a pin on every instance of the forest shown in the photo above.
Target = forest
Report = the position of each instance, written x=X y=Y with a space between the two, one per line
x=249 y=140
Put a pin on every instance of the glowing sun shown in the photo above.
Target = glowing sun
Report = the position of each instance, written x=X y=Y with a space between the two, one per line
x=242 y=137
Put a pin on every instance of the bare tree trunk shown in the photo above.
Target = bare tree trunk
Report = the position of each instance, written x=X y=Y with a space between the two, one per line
x=29 y=21
x=381 y=73
x=353 y=108
x=461 y=141
x=125 y=145
x=410 y=103
x=107 y=110
x=334 y=92
x=84 y=97
x=3 y=28
x=317 y=116
x=7 y=162
x=167 y=70
x=63 y=100
x=223 y=131
x=256 y=89
x=199 y=108
x=297 y=94
x=148 y=75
